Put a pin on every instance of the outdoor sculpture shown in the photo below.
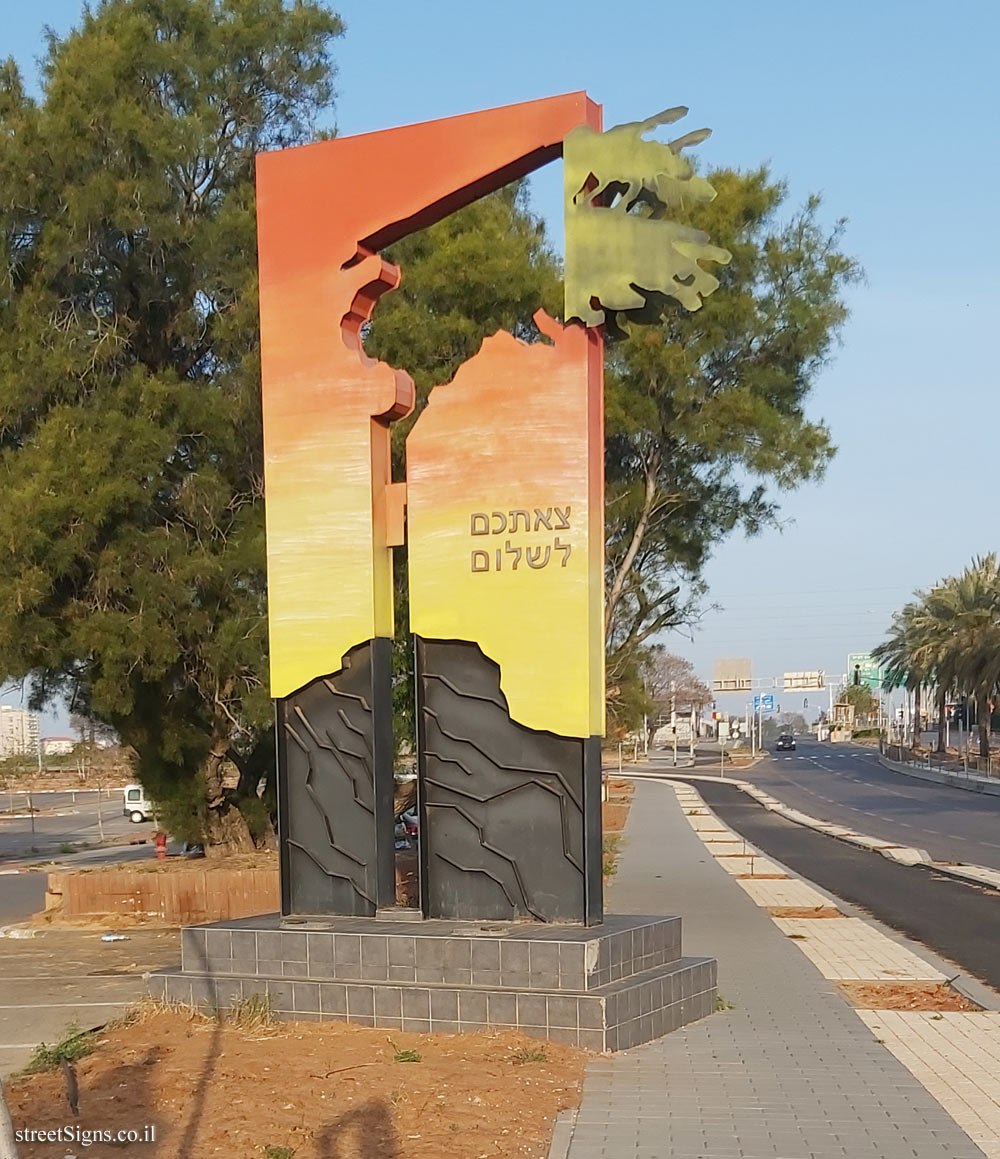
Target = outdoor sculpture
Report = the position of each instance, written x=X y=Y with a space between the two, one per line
x=502 y=511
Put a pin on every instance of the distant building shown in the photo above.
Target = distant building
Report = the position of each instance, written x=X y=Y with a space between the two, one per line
x=18 y=732
x=57 y=746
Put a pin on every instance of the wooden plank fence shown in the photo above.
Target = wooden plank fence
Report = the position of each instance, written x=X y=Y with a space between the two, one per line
x=178 y=898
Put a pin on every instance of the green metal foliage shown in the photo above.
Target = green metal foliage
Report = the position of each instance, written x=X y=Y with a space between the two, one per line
x=623 y=253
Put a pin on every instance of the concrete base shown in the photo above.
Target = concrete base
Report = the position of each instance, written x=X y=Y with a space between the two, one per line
x=604 y=987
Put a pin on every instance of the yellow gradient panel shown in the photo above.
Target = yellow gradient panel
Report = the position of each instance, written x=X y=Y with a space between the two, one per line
x=505 y=522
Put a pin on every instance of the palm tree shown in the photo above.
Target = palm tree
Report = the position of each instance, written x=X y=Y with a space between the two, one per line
x=950 y=637
x=906 y=654
x=975 y=601
x=942 y=609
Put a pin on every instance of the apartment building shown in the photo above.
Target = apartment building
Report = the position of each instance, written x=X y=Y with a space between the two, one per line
x=18 y=732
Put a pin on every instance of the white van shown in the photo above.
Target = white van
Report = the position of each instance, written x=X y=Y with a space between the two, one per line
x=137 y=806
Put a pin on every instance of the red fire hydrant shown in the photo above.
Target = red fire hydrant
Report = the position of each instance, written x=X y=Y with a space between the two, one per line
x=160 y=838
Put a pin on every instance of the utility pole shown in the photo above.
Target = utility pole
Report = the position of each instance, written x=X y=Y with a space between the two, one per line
x=694 y=725
x=673 y=716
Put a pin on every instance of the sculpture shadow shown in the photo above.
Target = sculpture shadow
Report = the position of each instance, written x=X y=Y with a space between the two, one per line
x=367 y=1132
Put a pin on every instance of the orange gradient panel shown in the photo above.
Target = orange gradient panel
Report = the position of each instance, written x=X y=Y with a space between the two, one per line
x=506 y=522
x=322 y=210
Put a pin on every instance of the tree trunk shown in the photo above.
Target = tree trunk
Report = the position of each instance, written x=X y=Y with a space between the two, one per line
x=226 y=830
x=255 y=767
x=617 y=586
x=942 y=721
x=985 y=710
x=916 y=716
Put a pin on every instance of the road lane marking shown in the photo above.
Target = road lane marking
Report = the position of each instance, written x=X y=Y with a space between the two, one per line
x=811 y=791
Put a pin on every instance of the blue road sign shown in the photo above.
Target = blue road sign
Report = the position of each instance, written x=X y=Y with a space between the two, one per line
x=767 y=703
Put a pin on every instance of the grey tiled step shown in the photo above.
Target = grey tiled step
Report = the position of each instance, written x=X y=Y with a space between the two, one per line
x=610 y=1017
x=521 y=956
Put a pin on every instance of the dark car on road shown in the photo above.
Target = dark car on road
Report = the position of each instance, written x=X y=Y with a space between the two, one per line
x=785 y=741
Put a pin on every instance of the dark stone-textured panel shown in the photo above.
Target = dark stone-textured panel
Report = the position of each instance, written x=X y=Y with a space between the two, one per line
x=335 y=789
x=511 y=824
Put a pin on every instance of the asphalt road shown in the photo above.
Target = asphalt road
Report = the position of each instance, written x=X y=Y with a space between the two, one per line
x=957 y=920
x=21 y=895
x=845 y=784
x=61 y=821
x=70 y=977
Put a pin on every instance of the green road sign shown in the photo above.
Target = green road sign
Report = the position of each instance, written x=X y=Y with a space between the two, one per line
x=862 y=669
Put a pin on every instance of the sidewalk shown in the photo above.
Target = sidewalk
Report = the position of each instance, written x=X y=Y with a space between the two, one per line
x=791 y=1072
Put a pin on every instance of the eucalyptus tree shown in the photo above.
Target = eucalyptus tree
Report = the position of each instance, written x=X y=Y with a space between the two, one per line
x=706 y=411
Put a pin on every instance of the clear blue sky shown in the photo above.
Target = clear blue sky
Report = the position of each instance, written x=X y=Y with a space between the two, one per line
x=889 y=109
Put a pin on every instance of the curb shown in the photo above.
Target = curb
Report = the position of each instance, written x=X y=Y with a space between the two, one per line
x=980 y=875
x=18 y=932
x=971 y=784
x=562 y=1134
x=968 y=985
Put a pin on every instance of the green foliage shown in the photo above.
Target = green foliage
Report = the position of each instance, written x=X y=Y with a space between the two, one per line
x=182 y=809
x=405 y=1054
x=706 y=411
x=527 y=1054
x=483 y=269
x=131 y=533
x=610 y=848
x=74 y=1045
x=862 y=699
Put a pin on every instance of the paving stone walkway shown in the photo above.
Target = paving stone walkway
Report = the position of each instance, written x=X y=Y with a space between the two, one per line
x=850 y=950
x=957 y=1058
x=790 y=1072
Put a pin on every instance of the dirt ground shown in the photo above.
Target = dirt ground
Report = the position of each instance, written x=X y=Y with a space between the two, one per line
x=260 y=859
x=327 y=1091
x=614 y=815
x=904 y=996
x=804 y=911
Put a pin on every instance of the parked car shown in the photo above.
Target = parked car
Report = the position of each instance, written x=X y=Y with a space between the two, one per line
x=785 y=741
x=136 y=805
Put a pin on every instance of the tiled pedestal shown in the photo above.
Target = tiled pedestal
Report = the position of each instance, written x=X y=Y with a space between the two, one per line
x=604 y=987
